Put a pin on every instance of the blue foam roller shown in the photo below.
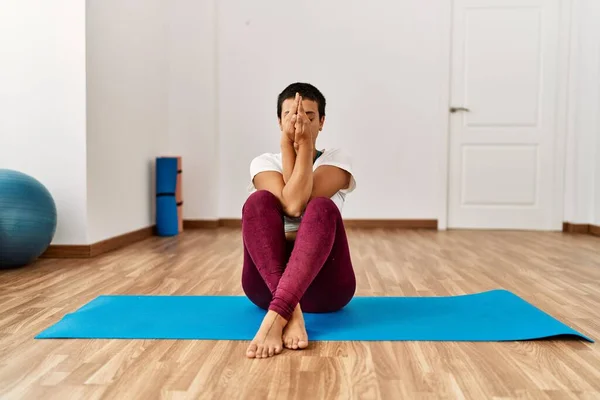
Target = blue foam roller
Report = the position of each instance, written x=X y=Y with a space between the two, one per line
x=167 y=222
x=166 y=216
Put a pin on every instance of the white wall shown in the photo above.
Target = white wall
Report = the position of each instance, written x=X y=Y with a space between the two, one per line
x=192 y=103
x=127 y=104
x=593 y=18
x=396 y=109
x=596 y=220
x=582 y=186
x=154 y=87
x=42 y=103
x=383 y=68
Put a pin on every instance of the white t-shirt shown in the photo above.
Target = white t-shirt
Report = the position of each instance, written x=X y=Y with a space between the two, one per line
x=273 y=162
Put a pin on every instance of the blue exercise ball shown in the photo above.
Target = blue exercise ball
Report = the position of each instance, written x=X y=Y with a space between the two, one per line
x=27 y=219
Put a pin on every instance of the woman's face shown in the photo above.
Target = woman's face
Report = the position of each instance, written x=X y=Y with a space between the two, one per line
x=311 y=108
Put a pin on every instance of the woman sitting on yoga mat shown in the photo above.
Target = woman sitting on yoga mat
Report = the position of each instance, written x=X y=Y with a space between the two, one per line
x=296 y=255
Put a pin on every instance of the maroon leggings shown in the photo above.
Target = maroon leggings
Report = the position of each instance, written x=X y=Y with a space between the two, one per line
x=315 y=271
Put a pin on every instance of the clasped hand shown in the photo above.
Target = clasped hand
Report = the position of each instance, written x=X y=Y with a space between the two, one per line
x=296 y=125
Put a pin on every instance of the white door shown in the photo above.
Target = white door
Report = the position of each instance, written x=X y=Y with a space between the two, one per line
x=502 y=149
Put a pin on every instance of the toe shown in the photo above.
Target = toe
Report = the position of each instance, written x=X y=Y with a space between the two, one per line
x=302 y=343
x=271 y=351
x=278 y=349
x=259 y=351
x=295 y=343
x=265 y=352
x=251 y=351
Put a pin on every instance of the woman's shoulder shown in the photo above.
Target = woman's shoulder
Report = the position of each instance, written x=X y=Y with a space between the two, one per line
x=337 y=154
x=266 y=160
x=268 y=157
x=342 y=159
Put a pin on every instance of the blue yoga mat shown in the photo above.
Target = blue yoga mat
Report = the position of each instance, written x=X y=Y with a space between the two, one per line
x=496 y=315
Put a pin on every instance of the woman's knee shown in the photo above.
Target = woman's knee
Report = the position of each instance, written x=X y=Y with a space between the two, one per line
x=260 y=201
x=322 y=206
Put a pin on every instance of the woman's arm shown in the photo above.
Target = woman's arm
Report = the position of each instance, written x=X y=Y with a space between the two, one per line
x=299 y=187
x=288 y=157
x=328 y=180
x=293 y=193
x=288 y=135
x=297 y=190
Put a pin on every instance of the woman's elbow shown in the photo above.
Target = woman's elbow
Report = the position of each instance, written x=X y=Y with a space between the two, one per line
x=293 y=210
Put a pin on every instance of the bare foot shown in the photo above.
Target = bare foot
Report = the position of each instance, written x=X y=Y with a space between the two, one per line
x=267 y=341
x=294 y=334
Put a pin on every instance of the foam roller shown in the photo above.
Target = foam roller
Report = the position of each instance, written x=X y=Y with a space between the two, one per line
x=169 y=196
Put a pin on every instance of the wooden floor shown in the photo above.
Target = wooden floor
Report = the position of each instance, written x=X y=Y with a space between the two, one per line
x=557 y=272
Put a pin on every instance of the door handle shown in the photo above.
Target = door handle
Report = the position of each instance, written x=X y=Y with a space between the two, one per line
x=455 y=109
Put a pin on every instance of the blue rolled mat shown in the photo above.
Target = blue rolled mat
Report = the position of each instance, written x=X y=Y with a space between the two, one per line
x=496 y=315
x=167 y=222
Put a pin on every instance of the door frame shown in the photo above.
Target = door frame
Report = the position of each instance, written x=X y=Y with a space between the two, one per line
x=564 y=114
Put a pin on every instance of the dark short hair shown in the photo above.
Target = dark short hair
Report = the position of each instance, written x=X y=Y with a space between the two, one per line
x=307 y=91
